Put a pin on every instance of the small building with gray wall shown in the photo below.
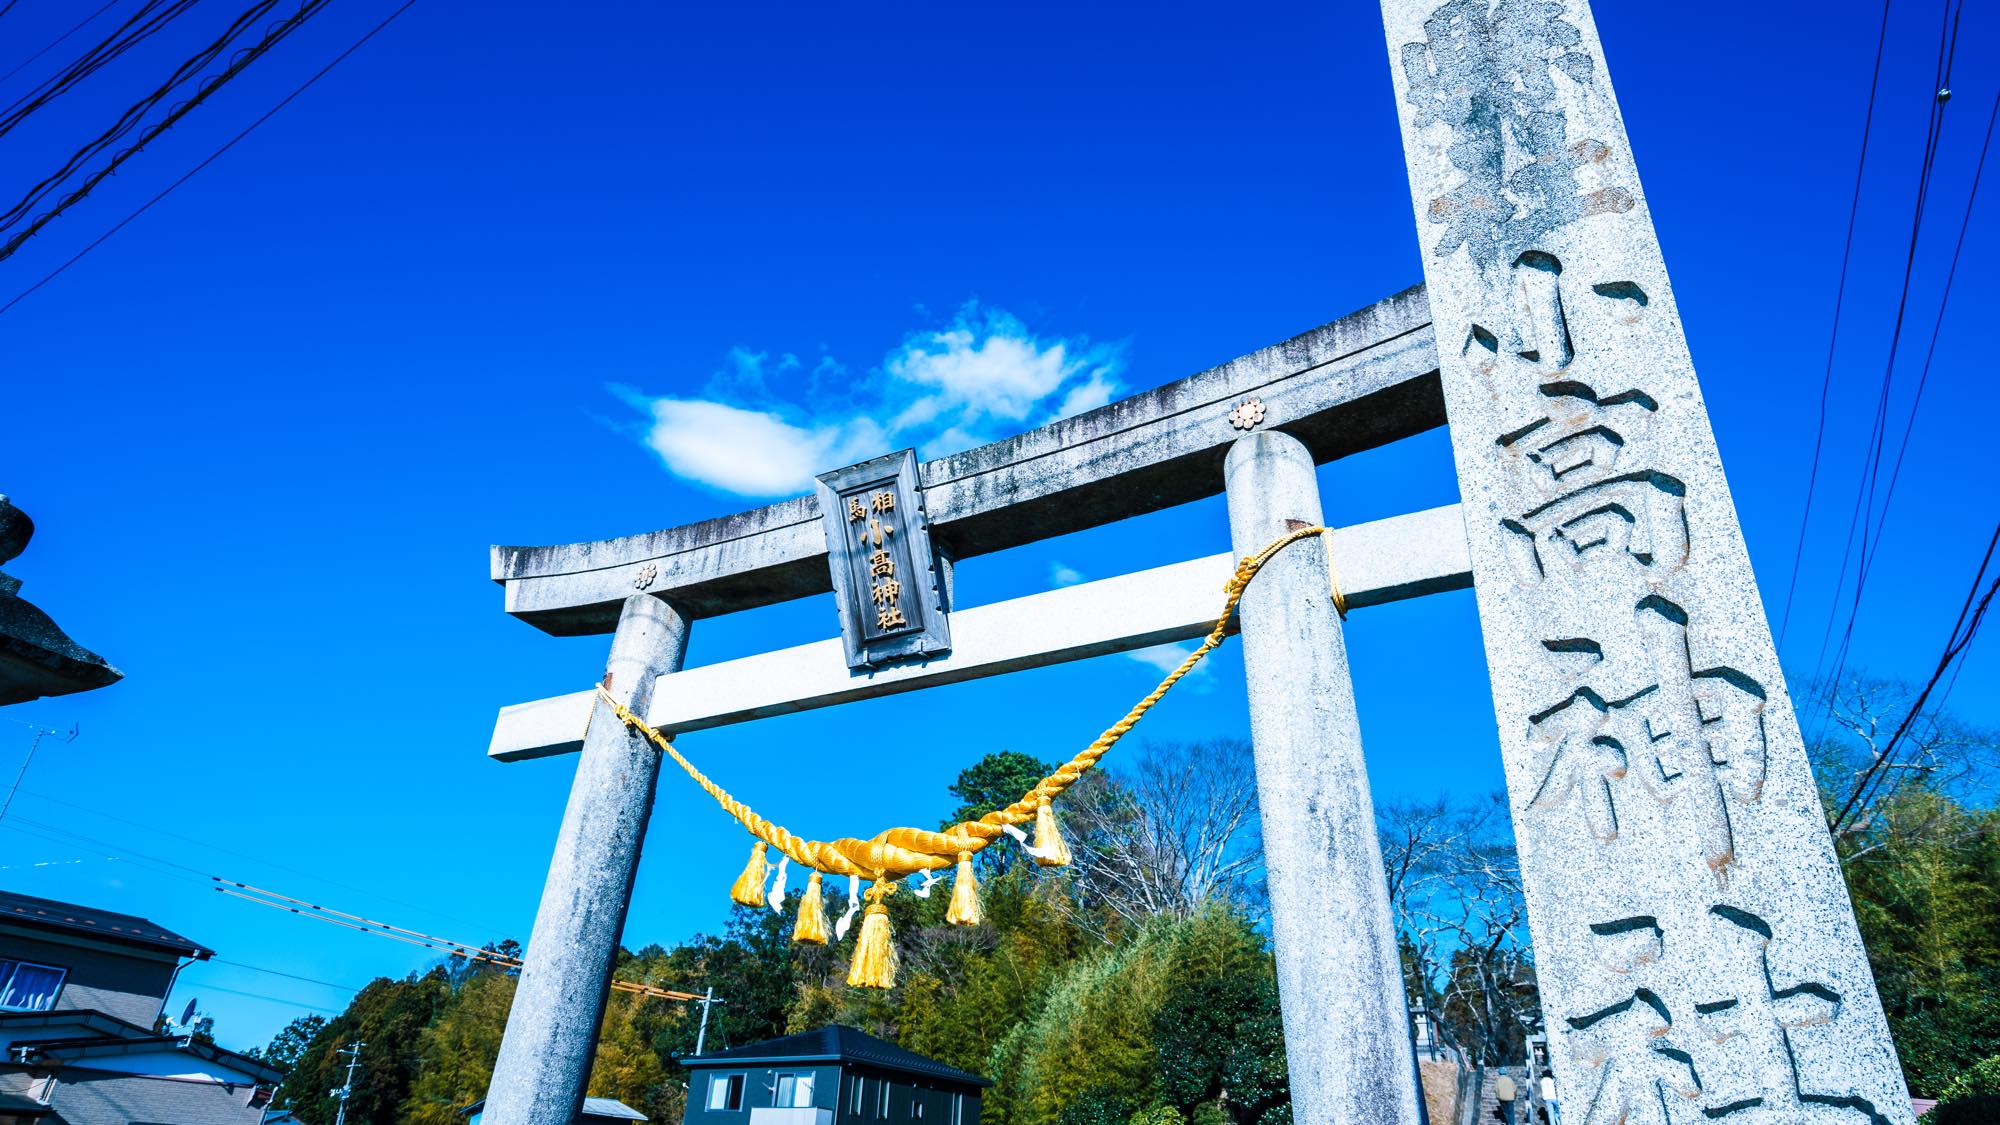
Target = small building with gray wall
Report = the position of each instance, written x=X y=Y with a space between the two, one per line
x=837 y=1075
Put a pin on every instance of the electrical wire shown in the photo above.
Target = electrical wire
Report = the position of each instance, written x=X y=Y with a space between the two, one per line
x=275 y=899
x=1862 y=530
x=59 y=40
x=1963 y=631
x=94 y=59
x=206 y=87
x=280 y=973
x=1833 y=339
x=1944 y=302
x=263 y=860
x=210 y=159
x=266 y=996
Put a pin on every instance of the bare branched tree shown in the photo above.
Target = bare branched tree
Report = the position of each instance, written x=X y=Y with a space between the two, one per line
x=1859 y=771
x=1455 y=887
x=1176 y=829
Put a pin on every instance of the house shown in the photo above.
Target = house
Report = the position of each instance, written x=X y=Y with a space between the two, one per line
x=596 y=1111
x=81 y=996
x=837 y=1075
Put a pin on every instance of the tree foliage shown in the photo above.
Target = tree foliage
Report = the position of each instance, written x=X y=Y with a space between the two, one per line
x=1137 y=987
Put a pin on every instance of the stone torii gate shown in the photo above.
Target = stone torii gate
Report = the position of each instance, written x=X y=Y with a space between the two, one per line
x=1695 y=949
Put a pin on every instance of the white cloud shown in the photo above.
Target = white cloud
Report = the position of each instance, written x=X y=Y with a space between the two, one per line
x=1060 y=575
x=1166 y=658
x=750 y=452
x=980 y=377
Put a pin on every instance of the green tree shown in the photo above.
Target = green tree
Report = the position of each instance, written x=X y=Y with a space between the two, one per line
x=1222 y=1039
x=291 y=1042
x=459 y=1047
x=994 y=782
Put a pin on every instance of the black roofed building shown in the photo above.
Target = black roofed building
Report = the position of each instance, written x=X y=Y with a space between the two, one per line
x=82 y=992
x=837 y=1075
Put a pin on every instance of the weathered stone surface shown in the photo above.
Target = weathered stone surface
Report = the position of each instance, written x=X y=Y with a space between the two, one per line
x=1697 y=954
x=1359 y=382
x=37 y=658
x=552 y=1028
x=1340 y=984
x=1380 y=562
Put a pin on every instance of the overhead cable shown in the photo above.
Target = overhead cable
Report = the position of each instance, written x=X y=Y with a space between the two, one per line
x=210 y=159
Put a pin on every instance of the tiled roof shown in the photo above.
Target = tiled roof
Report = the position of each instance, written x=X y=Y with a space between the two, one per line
x=104 y=924
x=837 y=1043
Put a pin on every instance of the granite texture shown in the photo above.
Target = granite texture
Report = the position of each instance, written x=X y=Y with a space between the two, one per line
x=1697 y=954
x=1340 y=986
x=553 y=1026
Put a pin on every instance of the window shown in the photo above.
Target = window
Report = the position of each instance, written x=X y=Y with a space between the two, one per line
x=916 y=1104
x=882 y=1100
x=855 y=1086
x=958 y=1109
x=793 y=1091
x=725 y=1091
x=26 y=987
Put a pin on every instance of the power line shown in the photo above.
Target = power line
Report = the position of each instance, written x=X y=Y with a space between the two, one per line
x=1944 y=301
x=210 y=159
x=1970 y=616
x=1861 y=519
x=1839 y=303
x=306 y=909
x=93 y=60
x=280 y=973
x=203 y=89
x=266 y=996
x=272 y=864
x=58 y=40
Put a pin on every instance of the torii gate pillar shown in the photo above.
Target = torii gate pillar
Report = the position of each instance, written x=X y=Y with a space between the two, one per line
x=1694 y=944
x=1340 y=981
x=553 y=1026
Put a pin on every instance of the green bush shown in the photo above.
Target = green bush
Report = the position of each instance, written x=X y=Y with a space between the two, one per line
x=1981 y=1078
x=1099 y=1105
x=1158 y=1115
x=1210 y=1113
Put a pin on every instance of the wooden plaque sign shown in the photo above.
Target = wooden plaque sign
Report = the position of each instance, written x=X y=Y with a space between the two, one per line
x=885 y=576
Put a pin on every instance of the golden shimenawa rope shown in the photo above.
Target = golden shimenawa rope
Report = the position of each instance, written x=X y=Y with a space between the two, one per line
x=900 y=852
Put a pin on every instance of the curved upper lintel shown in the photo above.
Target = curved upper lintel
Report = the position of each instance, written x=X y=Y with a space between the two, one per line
x=1361 y=381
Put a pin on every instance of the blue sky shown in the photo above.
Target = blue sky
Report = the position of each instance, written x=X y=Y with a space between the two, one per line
x=528 y=273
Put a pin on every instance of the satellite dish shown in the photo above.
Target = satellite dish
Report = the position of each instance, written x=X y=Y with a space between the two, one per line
x=187 y=1014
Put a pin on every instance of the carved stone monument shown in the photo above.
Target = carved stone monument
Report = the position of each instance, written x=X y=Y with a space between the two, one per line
x=1697 y=955
x=36 y=657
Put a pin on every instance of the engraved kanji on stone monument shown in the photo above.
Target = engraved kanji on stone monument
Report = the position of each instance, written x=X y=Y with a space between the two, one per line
x=1695 y=949
x=885 y=576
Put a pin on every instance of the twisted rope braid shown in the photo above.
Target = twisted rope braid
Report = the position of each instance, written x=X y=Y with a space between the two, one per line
x=900 y=852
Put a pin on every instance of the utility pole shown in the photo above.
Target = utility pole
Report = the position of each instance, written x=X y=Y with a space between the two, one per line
x=347 y=1089
x=701 y=1036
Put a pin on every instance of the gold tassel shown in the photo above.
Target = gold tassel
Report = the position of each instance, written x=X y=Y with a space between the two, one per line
x=749 y=888
x=1048 y=840
x=964 y=895
x=875 y=953
x=812 y=915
